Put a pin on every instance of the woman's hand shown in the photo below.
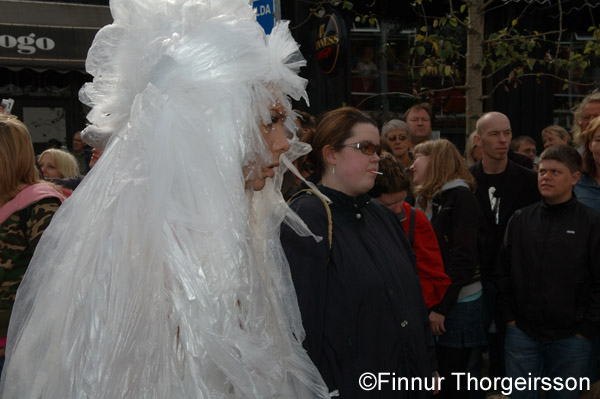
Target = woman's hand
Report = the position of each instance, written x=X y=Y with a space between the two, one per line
x=436 y=321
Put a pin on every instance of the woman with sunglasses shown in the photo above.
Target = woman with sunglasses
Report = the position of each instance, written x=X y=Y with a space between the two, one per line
x=445 y=193
x=395 y=132
x=358 y=288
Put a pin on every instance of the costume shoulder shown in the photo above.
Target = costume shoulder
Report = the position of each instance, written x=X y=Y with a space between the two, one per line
x=315 y=211
x=308 y=205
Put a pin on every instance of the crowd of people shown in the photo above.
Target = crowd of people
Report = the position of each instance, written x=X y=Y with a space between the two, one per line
x=176 y=268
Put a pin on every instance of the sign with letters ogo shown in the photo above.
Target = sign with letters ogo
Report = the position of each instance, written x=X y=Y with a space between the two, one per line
x=265 y=14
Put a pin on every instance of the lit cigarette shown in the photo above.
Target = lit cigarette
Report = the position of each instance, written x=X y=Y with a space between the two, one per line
x=377 y=173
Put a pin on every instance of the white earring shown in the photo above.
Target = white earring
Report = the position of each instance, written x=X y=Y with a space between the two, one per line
x=333 y=170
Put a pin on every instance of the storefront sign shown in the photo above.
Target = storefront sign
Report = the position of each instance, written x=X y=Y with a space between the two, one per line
x=328 y=44
x=44 y=46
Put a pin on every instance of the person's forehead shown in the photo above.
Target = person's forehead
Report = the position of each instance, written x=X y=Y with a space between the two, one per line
x=552 y=164
x=364 y=130
x=592 y=108
x=496 y=123
x=419 y=112
x=389 y=198
x=396 y=132
x=526 y=144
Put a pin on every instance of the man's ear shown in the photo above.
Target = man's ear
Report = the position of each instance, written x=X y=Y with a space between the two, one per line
x=575 y=178
x=477 y=140
x=329 y=155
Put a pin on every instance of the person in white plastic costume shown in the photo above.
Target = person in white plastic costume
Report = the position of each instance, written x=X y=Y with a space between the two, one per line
x=163 y=276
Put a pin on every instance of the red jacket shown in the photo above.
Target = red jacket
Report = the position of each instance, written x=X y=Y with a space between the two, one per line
x=430 y=266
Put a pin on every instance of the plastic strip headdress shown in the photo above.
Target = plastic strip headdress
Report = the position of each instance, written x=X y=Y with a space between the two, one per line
x=162 y=276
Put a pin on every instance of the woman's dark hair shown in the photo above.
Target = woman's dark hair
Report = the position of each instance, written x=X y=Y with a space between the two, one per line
x=393 y=180
x=333 y=129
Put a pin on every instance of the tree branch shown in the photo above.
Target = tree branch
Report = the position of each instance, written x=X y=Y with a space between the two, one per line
x=411 y=95
x=591 y=12
x=539 y=75
x=507 y=37
x=560 y=28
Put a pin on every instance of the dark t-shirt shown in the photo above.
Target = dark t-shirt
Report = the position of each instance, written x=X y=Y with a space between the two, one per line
x=493 y=185
x=499 y=196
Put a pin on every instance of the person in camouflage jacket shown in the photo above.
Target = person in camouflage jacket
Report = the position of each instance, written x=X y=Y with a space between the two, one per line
x=27 y=205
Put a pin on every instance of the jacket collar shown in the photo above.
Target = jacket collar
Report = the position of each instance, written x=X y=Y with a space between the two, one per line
x=344 y=200
x=561 y=206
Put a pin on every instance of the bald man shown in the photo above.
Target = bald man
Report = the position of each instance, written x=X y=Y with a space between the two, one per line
x=502 y=187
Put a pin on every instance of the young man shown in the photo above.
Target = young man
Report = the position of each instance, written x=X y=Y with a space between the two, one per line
x=524 y=145
x=548 y=280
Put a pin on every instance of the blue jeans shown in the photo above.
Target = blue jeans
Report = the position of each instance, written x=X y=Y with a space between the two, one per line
x=563 y=358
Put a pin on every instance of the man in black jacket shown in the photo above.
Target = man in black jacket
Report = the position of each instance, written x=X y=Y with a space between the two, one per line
x=502 y=187
x=548 y=281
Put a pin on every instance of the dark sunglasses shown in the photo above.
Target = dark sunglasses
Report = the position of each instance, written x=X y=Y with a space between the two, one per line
x=398 y=137
x=365 y=147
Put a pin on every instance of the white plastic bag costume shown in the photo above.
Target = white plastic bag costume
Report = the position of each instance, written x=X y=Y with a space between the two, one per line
x=162 y=277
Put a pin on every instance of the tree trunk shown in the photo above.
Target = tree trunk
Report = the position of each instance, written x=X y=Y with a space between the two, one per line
x=474 y=58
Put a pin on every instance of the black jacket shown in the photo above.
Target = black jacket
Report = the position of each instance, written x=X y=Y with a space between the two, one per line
x=362 y=305
x=519 y=190
x=548 y=276
x=455 y=219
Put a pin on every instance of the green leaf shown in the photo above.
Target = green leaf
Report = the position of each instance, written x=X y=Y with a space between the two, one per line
x=448 y=70
x=436 y=22
x=565 y=86
x=357 y=19
x=530 y=63
x=514 y=22
x=453 y=22
x=463 y=8
x=420 y=50
x=348 y=5
x=423 y=29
